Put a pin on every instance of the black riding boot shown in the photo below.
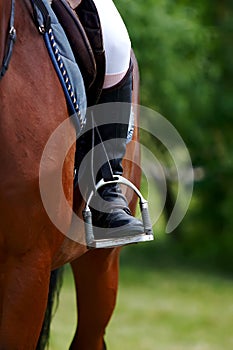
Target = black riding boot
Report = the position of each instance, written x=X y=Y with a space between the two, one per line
x=109 y=206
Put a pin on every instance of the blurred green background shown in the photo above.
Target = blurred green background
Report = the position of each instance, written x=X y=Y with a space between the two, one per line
x=185 y=51
x=177 y=293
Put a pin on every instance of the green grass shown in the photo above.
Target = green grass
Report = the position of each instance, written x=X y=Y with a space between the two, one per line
x=163 y=309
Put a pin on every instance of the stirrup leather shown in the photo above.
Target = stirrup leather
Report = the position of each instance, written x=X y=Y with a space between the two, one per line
x=91 y=242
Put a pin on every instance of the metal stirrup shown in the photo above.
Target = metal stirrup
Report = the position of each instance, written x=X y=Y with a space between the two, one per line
x=91 y=242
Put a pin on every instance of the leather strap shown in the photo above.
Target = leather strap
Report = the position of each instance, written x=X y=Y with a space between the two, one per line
x=10 y=42
x=78 y=40
x=89 y=18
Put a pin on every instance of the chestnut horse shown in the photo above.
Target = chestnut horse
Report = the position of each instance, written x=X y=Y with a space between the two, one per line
x=32 y=106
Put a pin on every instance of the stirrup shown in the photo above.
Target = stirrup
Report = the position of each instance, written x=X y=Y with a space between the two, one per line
x=91 y=242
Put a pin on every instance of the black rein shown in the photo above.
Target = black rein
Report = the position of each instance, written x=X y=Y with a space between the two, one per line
x=10 y=42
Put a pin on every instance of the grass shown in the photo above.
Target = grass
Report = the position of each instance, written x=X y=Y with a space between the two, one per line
x=169 y=310
x=164 y=308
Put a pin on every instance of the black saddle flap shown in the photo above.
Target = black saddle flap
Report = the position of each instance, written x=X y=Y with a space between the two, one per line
x=78 y=40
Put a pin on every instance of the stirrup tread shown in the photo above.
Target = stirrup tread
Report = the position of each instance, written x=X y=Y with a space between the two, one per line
x=119 y=242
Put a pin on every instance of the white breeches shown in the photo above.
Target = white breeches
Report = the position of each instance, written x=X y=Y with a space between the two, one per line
x=116 y=42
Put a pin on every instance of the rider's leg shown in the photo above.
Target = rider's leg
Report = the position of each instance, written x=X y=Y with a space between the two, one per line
x=115 y=100
x=116 y=42
x=112 y=119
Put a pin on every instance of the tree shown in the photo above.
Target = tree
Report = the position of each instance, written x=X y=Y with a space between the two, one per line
x=184 y=50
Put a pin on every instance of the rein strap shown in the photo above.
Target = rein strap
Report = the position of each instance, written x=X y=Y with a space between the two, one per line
x=10 y=42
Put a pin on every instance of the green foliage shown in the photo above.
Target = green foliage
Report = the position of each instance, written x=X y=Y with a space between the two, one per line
x=185 y=51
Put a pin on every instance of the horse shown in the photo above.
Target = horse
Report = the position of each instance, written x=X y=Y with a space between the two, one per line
x=32 y=106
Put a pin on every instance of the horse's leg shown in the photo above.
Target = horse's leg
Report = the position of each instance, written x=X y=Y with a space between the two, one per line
x=96 y=279
x=24 y=281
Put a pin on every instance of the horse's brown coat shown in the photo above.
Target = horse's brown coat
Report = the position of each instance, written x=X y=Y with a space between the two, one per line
x=32 y=105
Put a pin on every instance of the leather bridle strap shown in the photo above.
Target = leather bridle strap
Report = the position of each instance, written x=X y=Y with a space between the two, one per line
x=10 y=42
x=44 y=26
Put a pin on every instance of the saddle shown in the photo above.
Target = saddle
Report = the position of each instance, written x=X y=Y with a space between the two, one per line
x=83 y=30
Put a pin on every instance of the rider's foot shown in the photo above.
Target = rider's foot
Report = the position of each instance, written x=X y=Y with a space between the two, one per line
x=113 y=218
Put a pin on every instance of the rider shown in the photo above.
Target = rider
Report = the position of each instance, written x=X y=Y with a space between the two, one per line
x=117 y=87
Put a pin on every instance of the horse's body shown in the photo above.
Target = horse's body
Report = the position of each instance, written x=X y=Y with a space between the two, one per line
x=32 y=105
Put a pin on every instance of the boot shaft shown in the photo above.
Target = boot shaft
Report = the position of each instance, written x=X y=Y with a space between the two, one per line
x=111 y=116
